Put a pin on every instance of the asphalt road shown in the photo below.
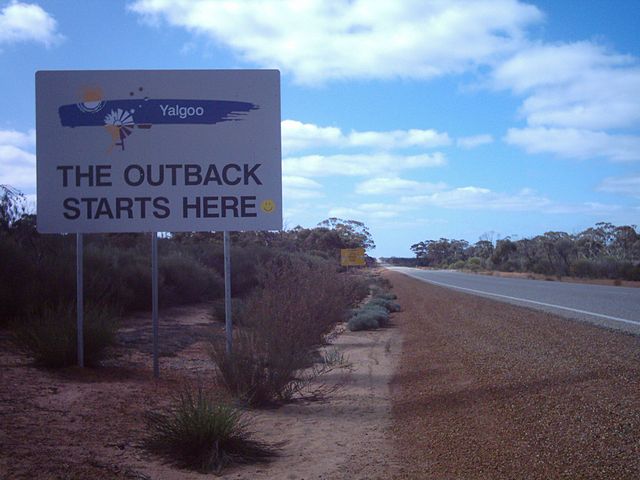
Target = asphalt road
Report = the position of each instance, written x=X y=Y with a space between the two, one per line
x=613 y=307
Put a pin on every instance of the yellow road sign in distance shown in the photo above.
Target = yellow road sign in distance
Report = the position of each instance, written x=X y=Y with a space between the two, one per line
x=350 y=257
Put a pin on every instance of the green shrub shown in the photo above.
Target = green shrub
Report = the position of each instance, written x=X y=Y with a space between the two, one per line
x=460 y=264
x=197 y=432
x=363 y=321
x=387 y=295
x=184 y=280
x=117 y=277
x=474 y=264
x=51 y=335
x=389 y=305
x=369 y=316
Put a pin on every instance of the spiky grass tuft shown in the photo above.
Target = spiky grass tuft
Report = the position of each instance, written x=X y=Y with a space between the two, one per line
x=198 y=432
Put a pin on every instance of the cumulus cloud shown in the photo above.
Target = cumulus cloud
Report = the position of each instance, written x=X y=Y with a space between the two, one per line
x=474 y=141
x=357 y=164
x=299 y=136
x=318 y=41
x=574 y=95
x=575 y=143
x=17 y=160
x=396 y=185
x=622 y=185
x=578 y=85
x=23 y=22
x=300 y=188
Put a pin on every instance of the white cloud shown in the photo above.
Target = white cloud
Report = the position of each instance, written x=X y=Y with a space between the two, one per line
x=317 y=40
x=578 y=85
x=622 y=185
x=375 y=211
x=474 y=141
x=396 y=139
x=300 y=188
x=17 y=162
x=525 y=200
x=396 y=185
x=575 y=94
x=477 y=198
x=470 y=198
x=574 y=143
x=298 y=136
x=357 y=164
x=21 y=22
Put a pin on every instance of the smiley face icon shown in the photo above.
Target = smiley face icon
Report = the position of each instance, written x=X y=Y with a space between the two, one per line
x=268 y=206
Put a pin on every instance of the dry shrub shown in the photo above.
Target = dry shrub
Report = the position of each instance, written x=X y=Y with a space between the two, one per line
x=283 y=323
x=50 y=336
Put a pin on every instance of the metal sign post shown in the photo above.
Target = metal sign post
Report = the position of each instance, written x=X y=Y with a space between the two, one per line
x=228 y=320
x=80 y=299
x=154 y=301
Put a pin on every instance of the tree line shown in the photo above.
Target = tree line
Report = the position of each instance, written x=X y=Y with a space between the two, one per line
x=602 y=251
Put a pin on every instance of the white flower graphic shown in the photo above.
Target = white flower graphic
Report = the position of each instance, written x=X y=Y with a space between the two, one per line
x=119 y=123
x=119 y=118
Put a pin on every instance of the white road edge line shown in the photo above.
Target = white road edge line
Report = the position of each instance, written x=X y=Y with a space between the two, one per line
x=575 y=310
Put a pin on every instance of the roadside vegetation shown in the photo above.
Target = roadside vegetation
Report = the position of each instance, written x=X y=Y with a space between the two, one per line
x=287 y=286
x=50 y=336
x=603 y=251
x=375 y=311
x=288 y=290
x=199 y=432
x=283 y=323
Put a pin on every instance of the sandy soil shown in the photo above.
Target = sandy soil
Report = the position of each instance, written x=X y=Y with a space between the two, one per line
x=79 y=424
x=487 y=390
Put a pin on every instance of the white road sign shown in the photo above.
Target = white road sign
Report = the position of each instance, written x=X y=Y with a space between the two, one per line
x=144 y=151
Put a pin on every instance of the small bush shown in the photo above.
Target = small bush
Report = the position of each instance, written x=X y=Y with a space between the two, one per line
x=199 y=433
x=474 y=264
x=387 y=295
x=184 y=280
x=457 y=265
x=363 y=321
x=369 y=317
x=51 y=336
x=386 y=304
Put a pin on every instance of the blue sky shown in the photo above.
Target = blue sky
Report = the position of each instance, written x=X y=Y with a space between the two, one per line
x=420 y=118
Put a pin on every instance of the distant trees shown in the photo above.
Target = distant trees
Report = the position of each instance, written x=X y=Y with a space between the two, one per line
x=604 y=250
x=441 y=252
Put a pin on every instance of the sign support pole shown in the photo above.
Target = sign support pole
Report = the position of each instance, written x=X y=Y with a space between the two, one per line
x=154 y=301
x=228 y=320
x=80 y=299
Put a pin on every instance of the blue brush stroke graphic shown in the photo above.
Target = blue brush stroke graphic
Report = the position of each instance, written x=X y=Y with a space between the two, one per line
x=149 y=112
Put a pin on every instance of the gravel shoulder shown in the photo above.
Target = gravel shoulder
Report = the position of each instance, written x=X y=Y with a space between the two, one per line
x=490 y=390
